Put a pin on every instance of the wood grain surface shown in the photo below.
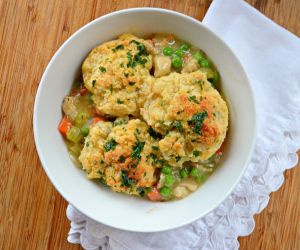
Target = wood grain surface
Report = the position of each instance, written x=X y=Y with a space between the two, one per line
x=32 y=212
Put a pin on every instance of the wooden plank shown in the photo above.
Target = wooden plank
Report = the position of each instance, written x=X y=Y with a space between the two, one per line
x=33 y=213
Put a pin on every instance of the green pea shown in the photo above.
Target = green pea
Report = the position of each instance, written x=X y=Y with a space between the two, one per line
x=198 y=174
x=168 y=51
x=183 y=173
x=169 y=180
x=201 y=178
x=74 y=134
x=198 y=55
x=204 y=63
x=195 y=172
x=85 y=130
x=165 y=192
x=179 y=52
x=184 y=47
x=166 y=170
x=177 y=61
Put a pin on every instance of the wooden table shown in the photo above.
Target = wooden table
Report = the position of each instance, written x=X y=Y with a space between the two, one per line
x=32 y=212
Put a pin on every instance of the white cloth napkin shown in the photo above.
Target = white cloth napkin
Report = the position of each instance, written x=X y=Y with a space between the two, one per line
x=271 y=57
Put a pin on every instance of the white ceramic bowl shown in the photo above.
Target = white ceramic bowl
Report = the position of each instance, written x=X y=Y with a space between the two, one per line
x=120 y=210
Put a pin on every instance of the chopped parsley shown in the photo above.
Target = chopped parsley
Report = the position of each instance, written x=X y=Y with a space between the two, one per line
x=193 y=99
x=141 y=191
x=93 y=83
x=142 y=50
x=102 y=180
x=131 y=63
x=118 y=47
x=110 y=145
x=197 y=120
x=126 y=181
x=111 y=88
x=137 y=150
x=153 y=157
x=177 y=158
x=102 y=69
x=138 y=58
x=126 y=75
x=155 y=148
x=119 y=101
x=154 y=134
x=122 y=159
x=200 y=82
x=178 y=126
x=196 y=153
x=135 y=41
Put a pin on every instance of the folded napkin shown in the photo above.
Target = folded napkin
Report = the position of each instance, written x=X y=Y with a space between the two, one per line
x=271 y=58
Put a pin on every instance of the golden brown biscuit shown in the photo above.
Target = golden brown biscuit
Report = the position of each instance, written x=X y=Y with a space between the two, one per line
x=117 y=73
x=190 y=113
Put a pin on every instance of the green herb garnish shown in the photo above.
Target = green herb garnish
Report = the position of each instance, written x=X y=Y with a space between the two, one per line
x=135 y=41
x=141 y=191
x=122 y=159
x=119 y=47
x=178 y=125
x=110 y=145
x=197 y=121
x=102 y=69
x=119 y=101
x=142 y=49
x=193 y=99
x=196 y=153
x=137 y=149
x=131 y=63
x=126 y=181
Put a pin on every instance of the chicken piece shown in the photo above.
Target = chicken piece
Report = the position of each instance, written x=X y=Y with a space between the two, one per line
x=162 y=65
x=191 y=65
x=180 y=192
x=69 y=106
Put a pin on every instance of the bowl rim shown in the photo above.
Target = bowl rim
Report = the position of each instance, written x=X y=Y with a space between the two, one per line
x=73 y=36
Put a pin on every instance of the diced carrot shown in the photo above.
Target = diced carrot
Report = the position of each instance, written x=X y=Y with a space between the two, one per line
x=83 y=91
x=97 y=119
x=154 y=195
x=64 y=125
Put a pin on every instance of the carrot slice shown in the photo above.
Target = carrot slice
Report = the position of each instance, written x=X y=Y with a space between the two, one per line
x=154 y=195
x=64 y=125
x=83 y=91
